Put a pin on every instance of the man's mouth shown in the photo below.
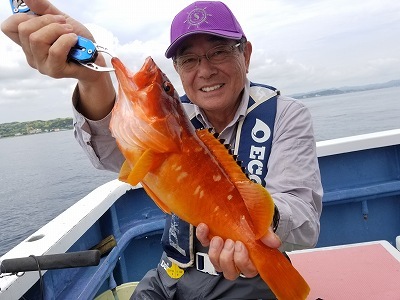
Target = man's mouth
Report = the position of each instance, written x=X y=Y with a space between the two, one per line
x=211 y=88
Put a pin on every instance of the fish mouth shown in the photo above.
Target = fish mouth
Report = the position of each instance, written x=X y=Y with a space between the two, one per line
x=211 y=88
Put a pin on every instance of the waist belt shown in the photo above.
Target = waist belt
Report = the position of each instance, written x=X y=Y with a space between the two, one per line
x=203 y=264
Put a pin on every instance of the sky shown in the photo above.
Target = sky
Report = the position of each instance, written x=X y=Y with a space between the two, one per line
x=298 y=46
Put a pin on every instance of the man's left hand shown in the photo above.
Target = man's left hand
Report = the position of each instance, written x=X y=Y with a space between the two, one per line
x=231 y=257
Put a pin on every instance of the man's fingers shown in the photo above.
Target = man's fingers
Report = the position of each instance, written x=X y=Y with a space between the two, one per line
x=202 y=232
x=243 y=262
x=10 y=26
x=271 y=239
x=214 y=252
x=51 y=41
x=42 y=7
x=226 y=261
x=40 y=33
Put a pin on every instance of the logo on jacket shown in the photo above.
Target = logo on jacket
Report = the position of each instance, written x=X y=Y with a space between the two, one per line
x=259 y=134
x=174 y=235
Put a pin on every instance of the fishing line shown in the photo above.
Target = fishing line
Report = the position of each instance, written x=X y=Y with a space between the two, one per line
x=40 y=277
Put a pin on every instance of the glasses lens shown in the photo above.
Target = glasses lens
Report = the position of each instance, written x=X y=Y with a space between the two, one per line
x=215 y=55
x=219 y=54
x=187 y=62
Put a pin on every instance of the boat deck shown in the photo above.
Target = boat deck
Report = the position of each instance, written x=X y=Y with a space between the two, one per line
x=359 y=271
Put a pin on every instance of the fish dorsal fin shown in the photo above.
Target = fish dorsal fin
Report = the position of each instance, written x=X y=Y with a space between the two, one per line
x=258 y=201
x=260 y=205
x=146 y=162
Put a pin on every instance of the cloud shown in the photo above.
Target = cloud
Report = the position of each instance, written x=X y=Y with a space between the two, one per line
x=298 y=46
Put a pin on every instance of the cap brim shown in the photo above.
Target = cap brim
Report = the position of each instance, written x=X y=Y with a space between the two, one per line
x=171 y=50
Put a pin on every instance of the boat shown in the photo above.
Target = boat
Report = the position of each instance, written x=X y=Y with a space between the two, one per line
x=360 y=223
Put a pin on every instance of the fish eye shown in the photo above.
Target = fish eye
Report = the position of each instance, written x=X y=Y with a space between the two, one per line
x=168 y=88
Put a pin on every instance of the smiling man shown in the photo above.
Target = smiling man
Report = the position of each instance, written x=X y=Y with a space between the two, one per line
x=272 y=135
x=215 y=80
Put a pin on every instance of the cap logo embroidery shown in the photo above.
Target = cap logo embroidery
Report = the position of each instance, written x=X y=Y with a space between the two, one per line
x=197 y=16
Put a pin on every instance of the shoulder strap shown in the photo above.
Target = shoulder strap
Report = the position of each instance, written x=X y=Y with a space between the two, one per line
x=255 y=132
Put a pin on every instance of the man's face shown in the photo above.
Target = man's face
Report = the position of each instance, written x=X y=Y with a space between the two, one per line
x=214 y=87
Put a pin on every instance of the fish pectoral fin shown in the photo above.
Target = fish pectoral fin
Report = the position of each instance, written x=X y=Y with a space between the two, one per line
x=259 y=204
x=156 y=200
x=147 y=161
x=124 y=171
x=134 y=175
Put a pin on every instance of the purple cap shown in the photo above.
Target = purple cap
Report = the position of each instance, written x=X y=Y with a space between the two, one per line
x=211 y=17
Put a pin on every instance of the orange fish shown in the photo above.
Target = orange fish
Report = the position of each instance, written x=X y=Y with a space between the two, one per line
x=190 y=173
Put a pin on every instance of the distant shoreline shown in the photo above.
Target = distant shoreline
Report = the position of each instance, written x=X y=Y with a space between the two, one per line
x=26 y=134
x=15 y=129
x=347 y=89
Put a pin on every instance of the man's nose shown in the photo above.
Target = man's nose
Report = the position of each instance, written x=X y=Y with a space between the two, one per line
x=205 y=68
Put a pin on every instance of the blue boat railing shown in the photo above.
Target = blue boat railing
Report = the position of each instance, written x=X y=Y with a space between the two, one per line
x=361 y=189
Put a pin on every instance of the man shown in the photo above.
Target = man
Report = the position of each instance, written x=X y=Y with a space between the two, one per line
x=271 y=133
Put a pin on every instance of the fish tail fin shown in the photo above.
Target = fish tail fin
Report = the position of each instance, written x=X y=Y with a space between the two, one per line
x=279 y=274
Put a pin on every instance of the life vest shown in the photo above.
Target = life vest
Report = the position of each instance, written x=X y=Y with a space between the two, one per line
x=252 y=146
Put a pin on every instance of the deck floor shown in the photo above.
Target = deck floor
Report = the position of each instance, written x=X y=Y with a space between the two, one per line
x=359 y=271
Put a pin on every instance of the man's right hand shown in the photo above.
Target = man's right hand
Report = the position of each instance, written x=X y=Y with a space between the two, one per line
x=46 y=38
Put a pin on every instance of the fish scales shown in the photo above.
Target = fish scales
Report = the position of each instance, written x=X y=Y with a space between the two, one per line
x=190 y=173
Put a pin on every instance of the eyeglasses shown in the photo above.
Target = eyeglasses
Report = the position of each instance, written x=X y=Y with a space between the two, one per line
x=216 y=55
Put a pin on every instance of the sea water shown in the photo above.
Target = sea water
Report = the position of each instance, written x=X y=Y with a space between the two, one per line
x=40 y=176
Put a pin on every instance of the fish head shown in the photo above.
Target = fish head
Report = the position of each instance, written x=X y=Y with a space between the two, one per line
x=148 y=113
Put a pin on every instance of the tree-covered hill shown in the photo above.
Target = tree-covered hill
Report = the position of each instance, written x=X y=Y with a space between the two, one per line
x=34 y=127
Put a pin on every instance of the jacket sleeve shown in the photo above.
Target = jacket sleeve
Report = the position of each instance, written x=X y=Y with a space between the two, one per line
x=96 y=140
x=293 y=177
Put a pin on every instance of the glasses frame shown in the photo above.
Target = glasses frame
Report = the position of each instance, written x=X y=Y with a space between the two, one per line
x=180 y=66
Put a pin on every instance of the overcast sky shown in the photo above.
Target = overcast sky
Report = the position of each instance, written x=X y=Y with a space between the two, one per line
x=298 y=46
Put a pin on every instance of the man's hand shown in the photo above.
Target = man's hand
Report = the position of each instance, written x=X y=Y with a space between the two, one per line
x=232 y=257
x=46 y=38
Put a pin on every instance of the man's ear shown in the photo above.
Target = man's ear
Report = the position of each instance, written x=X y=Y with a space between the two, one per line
x=175 y=67
x=248 y=48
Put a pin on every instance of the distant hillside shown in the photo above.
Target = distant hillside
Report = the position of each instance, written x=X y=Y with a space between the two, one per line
x=347 y=89
x=34 y=127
